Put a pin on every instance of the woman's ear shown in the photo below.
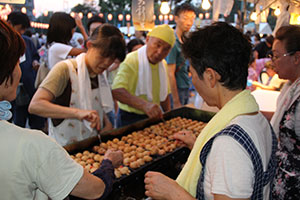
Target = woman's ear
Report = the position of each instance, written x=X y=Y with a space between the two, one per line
x=88 y=44
x=297 y=58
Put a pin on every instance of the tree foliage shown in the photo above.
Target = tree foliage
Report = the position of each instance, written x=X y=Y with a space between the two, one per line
x=84 y=8
x=114 y=5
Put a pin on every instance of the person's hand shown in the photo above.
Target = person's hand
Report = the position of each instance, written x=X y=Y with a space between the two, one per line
x=153 y=110
x=187 y=137
x=159 y=186
x=35 y=65
x=78 y=21
x=90 y=116
x=116 y=157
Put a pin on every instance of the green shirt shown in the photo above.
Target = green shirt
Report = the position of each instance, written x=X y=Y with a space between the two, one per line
x=127 y=78
x=175 y=57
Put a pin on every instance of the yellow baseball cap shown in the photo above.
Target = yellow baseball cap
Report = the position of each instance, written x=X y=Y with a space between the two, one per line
x=163 y=32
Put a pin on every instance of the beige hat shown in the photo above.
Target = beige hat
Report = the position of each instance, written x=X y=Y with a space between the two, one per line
x=163 y=32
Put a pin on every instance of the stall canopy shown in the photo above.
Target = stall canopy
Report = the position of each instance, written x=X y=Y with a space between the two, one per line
x=264 y=28
x=287 y=8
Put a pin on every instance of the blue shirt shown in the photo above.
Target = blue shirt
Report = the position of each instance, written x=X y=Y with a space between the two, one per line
x=28 y=73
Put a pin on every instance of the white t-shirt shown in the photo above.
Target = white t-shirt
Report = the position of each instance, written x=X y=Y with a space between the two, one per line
x=229 y=169
x=33 y=163
x=58 y=52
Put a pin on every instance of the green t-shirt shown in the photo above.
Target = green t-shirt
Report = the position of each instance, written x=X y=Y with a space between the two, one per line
x=127 y=78
x=175 y=57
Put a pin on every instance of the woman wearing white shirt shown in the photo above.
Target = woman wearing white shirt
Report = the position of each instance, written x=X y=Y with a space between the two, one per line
x=60 y=32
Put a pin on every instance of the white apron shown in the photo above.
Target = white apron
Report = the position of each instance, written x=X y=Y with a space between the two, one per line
x=73 y=130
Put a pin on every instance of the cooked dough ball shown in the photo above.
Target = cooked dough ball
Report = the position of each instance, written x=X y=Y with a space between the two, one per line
x=104 y=145
x=132 y=158
x=133 y=148
x=84 y=158
x=73 y=157
x=154 y=151
x=116 y=140
x=101 y=151
x=126 y=155
x=91 y=155
x=86 y=153
x=97 y=157
x=78 y=155
x=124 y=138
x=77 y=160
x=147 y=158
x=134 y=133
x=124 y=170
x=139 y=155
x=126 y=161
x=161 y=152
x=140 y=162
x=88 y=167
x=148 y=147
x=134 y=165
x=82 y=163
x=146 y=153
x=117 y=173
x=121 y=148
x=127 y=149
x=96 y=148
x=129 y=140
x=121 y=143
x=153 y=142
x=90 y=161
x=96 y=165
x=140 y=149
x=109 y=143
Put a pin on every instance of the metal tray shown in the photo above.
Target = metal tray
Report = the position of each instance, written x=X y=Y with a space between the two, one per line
x=170 y=164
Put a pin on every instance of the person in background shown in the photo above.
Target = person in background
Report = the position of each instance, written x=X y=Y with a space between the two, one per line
x=94 y=22
x=141 y=35
x=34 y=38
x=261 y=50
x=141 y=84
x=29 y=65
x=71 y=93
x=252 y=75
x=286 y=119
x=134 y=45
x=269 y=79
x=34 y=166
x=61 y=29
x=177 y=65
x=230 y=156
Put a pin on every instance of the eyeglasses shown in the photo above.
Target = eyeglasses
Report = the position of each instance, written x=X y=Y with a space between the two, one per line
x=274 y=58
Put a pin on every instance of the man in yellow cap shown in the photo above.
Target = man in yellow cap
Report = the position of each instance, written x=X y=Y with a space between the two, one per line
x=141 y=85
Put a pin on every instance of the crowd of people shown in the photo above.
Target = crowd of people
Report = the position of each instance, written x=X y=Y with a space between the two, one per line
x=98 y=81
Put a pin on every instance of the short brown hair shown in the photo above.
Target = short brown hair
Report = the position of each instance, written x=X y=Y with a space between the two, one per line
x=110 y=40
x=12 y=47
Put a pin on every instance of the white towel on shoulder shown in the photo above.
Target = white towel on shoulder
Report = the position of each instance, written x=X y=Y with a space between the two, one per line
x=144 y=85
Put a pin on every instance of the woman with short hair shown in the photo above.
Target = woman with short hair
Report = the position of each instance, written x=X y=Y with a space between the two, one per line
x=234 y=155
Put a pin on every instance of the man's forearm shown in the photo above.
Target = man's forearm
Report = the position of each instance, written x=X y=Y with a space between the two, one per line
x=166 y=105
x=174 y=90
x=122 y=95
